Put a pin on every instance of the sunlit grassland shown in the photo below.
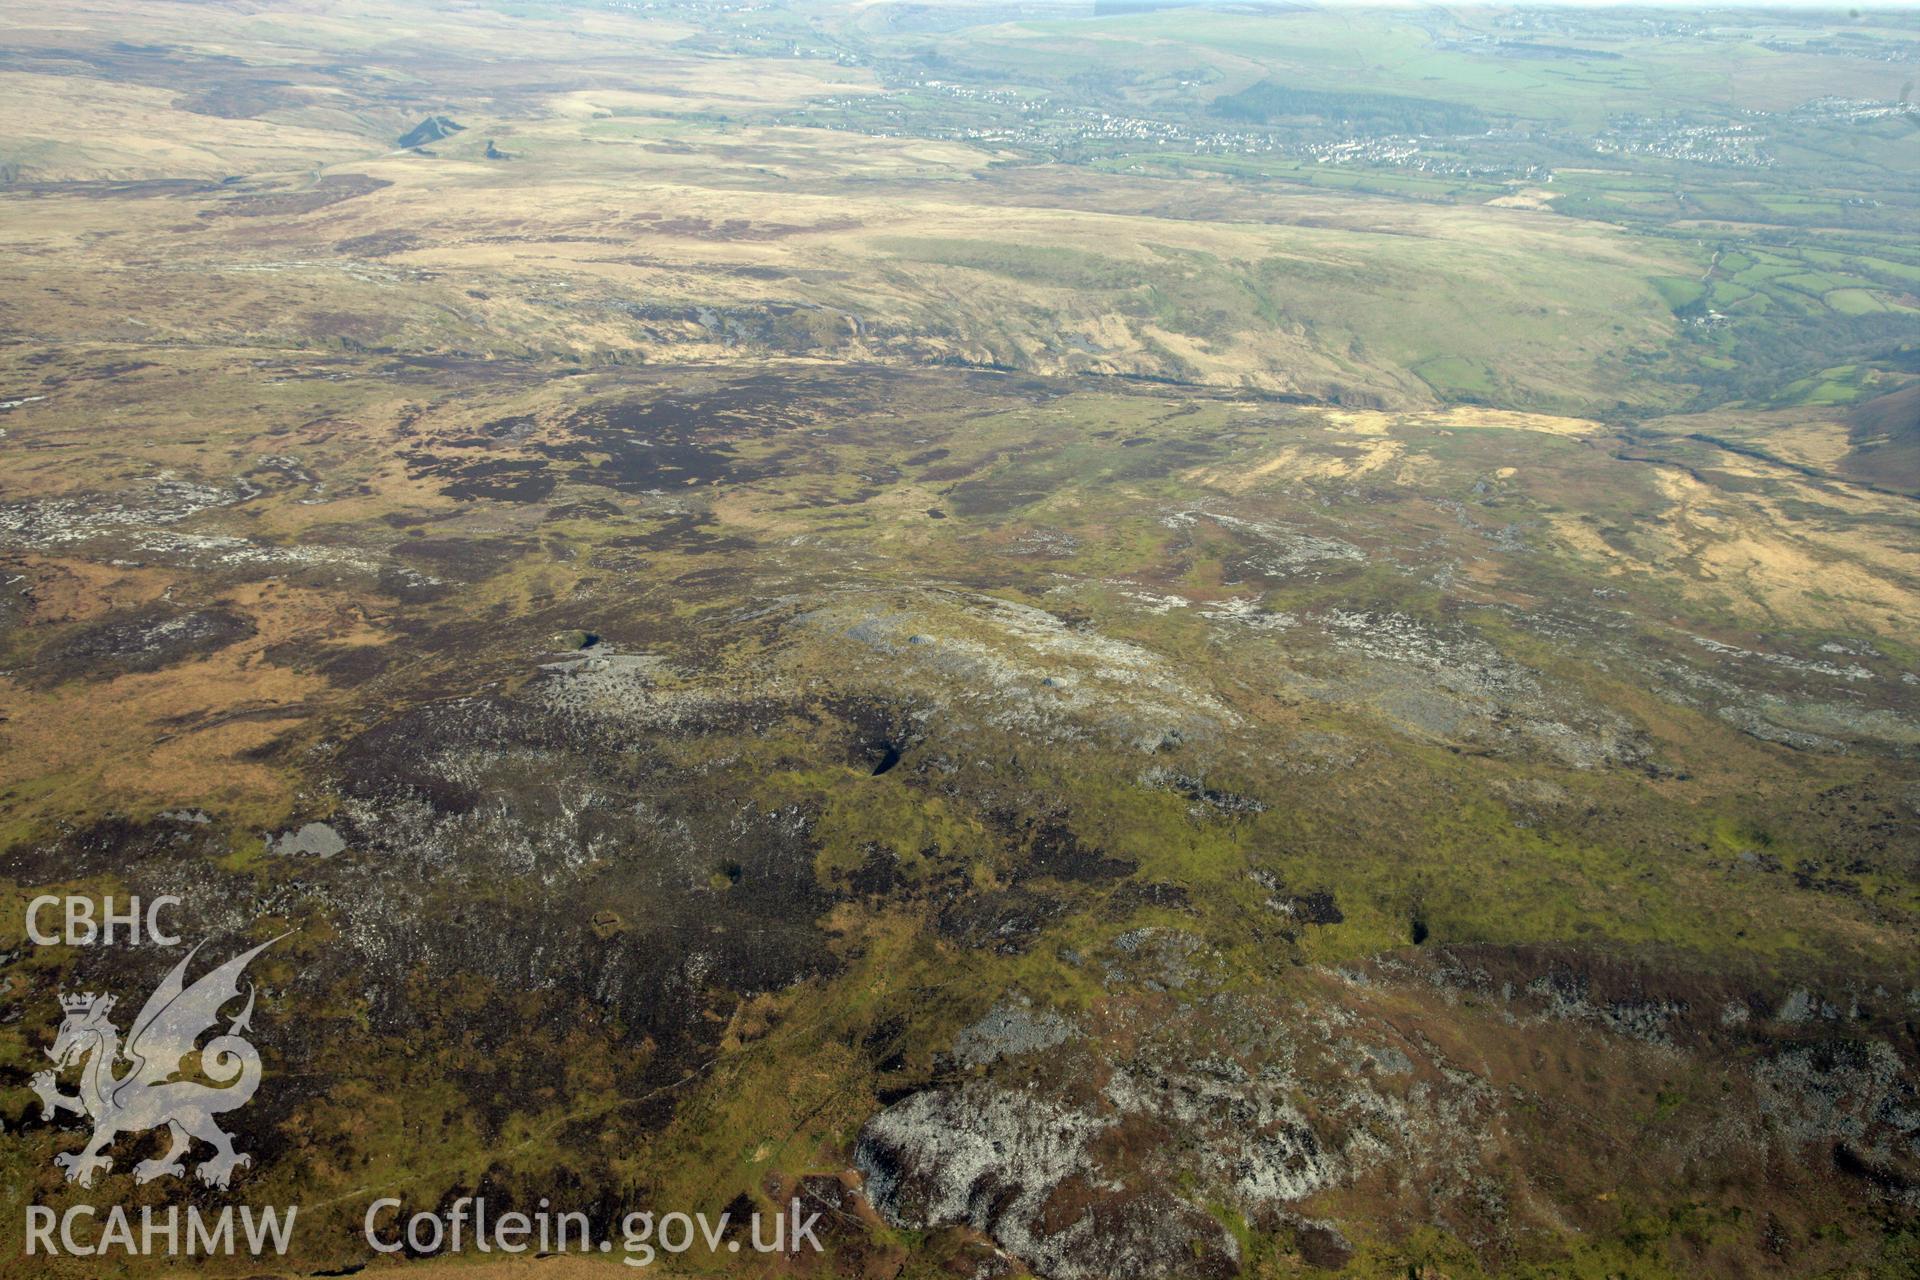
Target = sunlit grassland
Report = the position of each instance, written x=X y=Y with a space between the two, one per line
x=1334 y=49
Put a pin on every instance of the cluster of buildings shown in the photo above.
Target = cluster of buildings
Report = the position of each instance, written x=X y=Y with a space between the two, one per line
x=1037 y=122
x=1718 y=144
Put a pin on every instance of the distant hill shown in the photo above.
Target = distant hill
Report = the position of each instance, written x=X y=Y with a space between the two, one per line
x=1885 y=433
x=1110 y=8
x=432 y=129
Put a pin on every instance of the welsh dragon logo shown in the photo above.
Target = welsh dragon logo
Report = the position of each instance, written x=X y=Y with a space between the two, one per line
x=148 y=1093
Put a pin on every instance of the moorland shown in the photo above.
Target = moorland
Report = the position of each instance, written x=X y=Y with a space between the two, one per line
x=1105 y=640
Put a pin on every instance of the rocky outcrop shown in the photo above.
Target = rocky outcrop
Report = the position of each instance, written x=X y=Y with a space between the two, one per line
x=1024 y=1170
